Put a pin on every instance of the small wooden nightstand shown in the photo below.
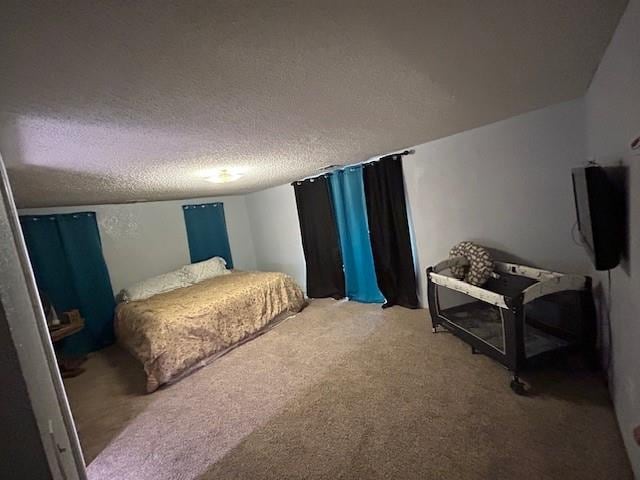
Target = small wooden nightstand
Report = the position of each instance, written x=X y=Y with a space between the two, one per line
x=69 y=367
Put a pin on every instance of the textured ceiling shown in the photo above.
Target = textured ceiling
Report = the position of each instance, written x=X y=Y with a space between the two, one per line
x=116 y=101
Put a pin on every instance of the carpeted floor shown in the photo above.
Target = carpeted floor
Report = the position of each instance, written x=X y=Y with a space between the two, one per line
x=344 y=391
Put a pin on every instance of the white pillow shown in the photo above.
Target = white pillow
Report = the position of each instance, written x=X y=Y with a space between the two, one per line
x=155 y=285
x=214 y=267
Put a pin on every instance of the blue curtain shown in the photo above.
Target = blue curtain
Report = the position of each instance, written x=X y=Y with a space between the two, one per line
x=347 y=192
x=66 y=257
x=207 y=232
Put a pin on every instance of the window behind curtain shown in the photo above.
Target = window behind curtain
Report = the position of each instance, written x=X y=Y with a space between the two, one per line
x=207 y=232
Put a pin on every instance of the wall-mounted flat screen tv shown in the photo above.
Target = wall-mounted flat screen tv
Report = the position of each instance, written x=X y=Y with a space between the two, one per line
x=599 y=215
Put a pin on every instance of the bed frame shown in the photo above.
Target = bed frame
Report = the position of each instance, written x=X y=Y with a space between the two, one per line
x=505 y=319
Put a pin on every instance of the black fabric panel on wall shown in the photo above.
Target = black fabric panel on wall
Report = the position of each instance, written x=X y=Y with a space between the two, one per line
x=325 y=277
x=389 y=231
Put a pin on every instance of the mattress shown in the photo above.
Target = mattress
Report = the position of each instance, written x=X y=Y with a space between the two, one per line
x=172 y=332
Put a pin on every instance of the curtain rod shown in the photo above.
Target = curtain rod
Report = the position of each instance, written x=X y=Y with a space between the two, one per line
x=329 y=170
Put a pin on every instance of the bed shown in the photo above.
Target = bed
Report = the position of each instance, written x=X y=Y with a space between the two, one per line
x=175 y=332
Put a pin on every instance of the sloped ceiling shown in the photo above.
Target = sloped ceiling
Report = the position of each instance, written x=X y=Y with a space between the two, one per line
x=115 y=101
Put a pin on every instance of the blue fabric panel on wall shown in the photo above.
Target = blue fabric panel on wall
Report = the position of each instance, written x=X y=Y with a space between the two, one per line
x=207 y=232
x=347 y=191
x=66 y=256
x=83 y=248
x=48 y=260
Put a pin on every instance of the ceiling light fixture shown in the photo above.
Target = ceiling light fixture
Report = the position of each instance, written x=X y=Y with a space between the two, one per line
x=224 y=175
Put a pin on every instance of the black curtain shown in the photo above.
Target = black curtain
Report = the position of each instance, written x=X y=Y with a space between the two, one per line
x=325 y=277
x=389 y=231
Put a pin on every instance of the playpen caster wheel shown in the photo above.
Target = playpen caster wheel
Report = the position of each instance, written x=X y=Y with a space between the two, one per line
x=434 y=329
x=518 y=387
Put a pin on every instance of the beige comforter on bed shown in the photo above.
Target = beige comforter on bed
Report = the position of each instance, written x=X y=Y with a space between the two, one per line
x=171 y=332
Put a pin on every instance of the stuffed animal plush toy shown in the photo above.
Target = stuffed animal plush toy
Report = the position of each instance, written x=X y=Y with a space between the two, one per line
x=480 y=267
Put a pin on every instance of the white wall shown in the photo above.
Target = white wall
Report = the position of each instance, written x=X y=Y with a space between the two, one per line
x=506 y=186
x=273 y=216
x=141 y=240
x=613 y=120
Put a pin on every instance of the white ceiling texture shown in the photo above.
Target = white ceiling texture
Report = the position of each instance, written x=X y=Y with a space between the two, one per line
x=117 y=101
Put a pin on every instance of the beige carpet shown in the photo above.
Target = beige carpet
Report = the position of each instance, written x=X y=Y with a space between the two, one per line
x=346 y=390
